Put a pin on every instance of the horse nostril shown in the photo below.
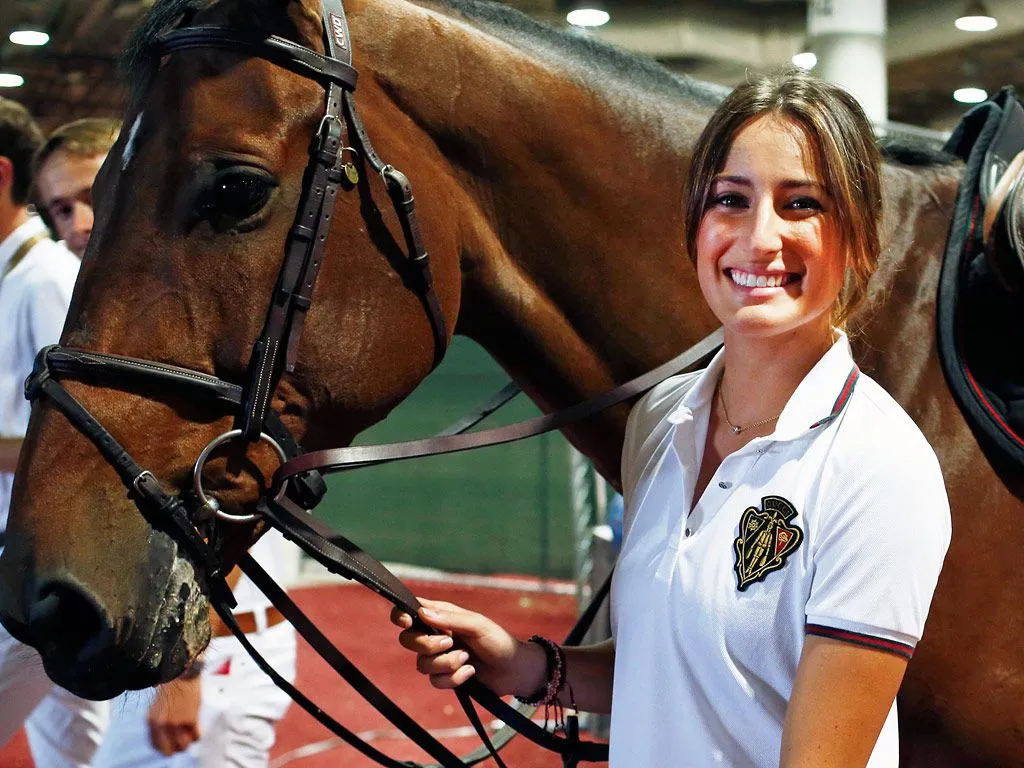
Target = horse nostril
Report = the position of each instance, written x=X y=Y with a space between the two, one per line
x=67 y=624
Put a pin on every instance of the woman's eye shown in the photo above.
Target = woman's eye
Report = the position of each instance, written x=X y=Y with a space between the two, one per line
x=234 y=195
x=729 y=200
x=806 y=204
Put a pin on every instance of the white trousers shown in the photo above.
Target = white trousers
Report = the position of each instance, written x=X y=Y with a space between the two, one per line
x=64 y=731
x=239 y=710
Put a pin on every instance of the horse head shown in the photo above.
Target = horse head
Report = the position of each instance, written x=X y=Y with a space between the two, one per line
x=197 y=202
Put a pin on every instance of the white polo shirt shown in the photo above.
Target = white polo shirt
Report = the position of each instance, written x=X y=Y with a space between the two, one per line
x=835 y=524
x=34 y=300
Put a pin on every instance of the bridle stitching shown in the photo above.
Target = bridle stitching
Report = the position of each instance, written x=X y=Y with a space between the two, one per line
x=264 y=384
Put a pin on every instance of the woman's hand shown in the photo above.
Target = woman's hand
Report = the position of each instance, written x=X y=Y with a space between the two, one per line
x=470 y=644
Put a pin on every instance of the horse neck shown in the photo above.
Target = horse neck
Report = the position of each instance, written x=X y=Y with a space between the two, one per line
x=895 y=331
x=570 y=217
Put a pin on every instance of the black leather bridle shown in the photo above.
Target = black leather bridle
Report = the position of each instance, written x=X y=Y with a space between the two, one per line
x=191 y=518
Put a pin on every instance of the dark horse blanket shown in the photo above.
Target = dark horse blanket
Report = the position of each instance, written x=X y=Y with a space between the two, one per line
x=981 y=295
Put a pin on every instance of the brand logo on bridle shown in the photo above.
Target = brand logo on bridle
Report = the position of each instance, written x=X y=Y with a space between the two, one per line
x=338 y=31
x=766 y=539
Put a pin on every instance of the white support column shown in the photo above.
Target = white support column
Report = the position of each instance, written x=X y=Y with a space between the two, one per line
x=849 y=39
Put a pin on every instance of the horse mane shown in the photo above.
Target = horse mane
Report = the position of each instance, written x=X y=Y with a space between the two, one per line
x=598 y=58
x=915 y=152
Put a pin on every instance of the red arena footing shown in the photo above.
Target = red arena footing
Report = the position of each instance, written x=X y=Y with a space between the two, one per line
x=357 y=621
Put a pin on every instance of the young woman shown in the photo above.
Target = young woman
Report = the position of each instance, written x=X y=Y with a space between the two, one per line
x=785 y=520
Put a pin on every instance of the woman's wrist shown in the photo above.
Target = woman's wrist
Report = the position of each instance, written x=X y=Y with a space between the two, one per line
x=531 y=665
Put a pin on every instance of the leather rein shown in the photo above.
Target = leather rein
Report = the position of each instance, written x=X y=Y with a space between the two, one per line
x=191 y=518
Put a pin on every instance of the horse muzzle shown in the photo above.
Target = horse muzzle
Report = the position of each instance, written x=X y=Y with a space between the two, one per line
x=96 y=649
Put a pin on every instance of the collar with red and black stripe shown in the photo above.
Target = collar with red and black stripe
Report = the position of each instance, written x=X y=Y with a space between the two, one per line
x=842 y=399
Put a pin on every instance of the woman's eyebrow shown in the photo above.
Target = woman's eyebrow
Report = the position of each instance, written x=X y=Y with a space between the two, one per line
x=742 y=180
x=790 y=183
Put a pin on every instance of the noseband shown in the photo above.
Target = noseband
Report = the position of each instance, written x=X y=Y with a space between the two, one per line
x=190 y=517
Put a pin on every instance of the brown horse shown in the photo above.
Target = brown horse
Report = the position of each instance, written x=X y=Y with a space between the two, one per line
x=548 y=172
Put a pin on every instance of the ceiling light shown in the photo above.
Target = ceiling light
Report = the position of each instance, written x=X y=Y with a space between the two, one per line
x=11 y=80
x=29 y=37
x=976 y=18
x=587 y=17
x=970 y=95
x=804 y=60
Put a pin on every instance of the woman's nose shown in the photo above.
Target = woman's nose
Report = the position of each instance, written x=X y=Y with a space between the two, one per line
x=766 y=229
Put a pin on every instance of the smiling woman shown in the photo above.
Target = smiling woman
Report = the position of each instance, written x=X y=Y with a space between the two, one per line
x=558 y=257
x=775 y=571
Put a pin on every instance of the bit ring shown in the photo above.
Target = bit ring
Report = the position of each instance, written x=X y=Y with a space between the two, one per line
x=211 y=505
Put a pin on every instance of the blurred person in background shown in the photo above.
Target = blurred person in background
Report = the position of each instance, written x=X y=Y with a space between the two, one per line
x=66 y=166
x=224 y=709
x=37 y=277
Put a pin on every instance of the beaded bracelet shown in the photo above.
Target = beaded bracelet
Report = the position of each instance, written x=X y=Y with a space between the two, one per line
x=547 y=695
x=555 y=677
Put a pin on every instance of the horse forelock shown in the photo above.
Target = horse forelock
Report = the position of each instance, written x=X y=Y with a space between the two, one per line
x=140 y=58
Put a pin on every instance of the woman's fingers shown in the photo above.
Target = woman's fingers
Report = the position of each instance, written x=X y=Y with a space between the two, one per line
x=453 y=680
x=451 y=618
x=418 y=642
x=442 y=663
x=400 y=618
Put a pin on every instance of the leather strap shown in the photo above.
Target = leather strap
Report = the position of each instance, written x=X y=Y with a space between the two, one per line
x=289 y=516
x=283 y=52
x=22 y=251
x=340 y=459
x=343 y=557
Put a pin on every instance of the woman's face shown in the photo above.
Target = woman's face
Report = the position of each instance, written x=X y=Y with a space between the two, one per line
x=770 y=259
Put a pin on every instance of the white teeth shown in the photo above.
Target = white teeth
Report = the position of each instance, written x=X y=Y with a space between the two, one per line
x=748 y=280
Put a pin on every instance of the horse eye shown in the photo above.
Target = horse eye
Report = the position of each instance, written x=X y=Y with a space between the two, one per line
x=235 y=194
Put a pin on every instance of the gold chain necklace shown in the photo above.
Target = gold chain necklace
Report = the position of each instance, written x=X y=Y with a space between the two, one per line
x=737 y=429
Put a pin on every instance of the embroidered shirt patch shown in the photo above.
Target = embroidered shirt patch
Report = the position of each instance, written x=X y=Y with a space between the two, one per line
x=765 y=540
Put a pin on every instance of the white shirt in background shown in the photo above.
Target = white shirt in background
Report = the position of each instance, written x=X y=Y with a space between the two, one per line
x=34 y=301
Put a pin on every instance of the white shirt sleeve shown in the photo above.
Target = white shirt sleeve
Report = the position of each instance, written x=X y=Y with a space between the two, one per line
x=884 y=531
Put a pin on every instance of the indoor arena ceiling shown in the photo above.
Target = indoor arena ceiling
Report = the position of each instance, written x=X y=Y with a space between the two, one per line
x=717 y=40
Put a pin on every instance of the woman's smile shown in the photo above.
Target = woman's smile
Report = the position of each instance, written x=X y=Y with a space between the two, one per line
x=753 y=280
